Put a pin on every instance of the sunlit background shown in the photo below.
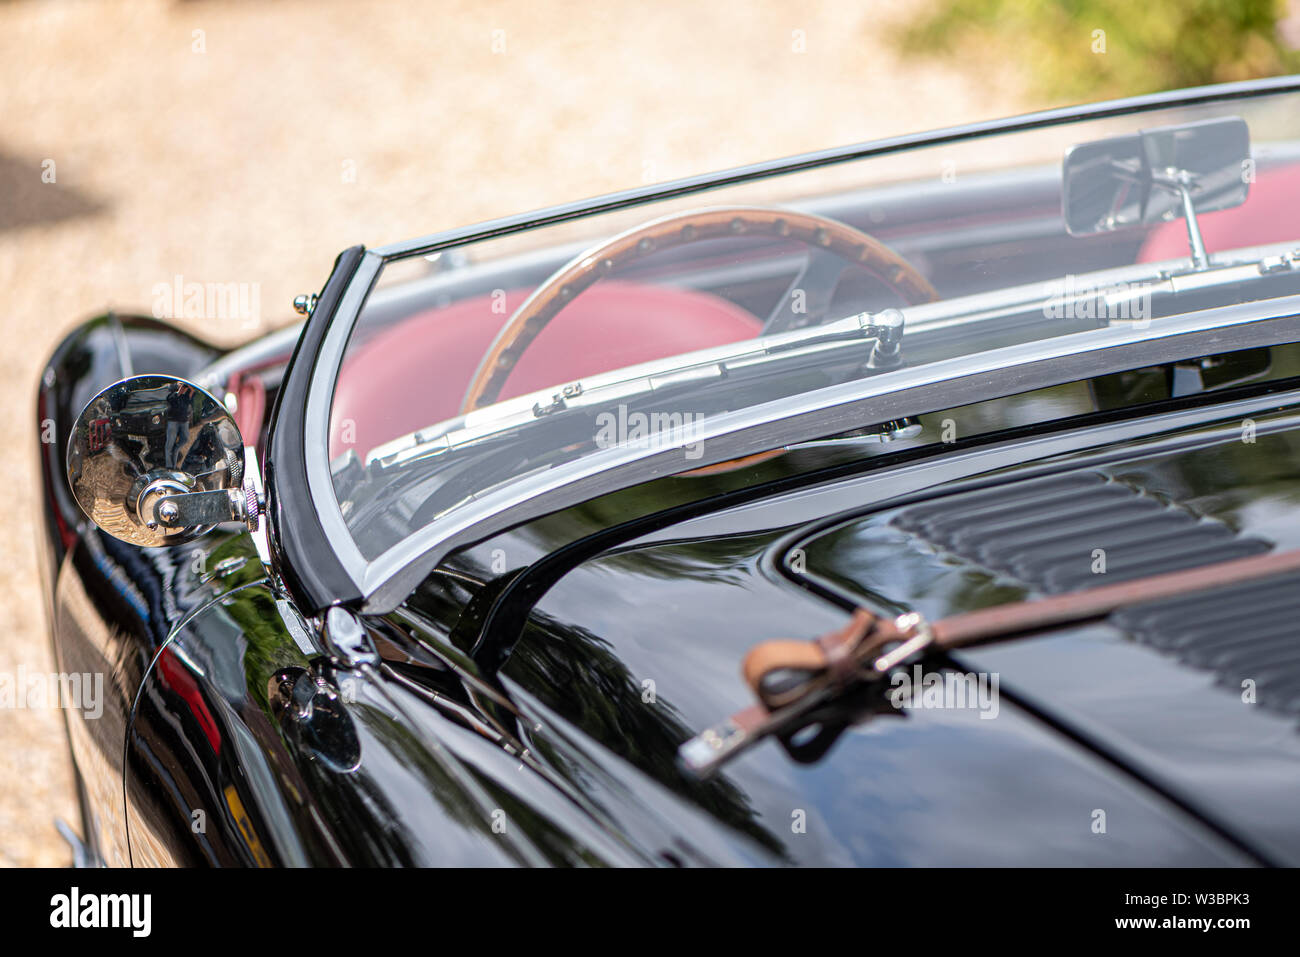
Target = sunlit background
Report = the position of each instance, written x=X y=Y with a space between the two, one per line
x=232 y=142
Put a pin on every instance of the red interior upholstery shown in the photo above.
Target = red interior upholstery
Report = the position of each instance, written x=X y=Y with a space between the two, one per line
x=416 y=373
x=1270 y=214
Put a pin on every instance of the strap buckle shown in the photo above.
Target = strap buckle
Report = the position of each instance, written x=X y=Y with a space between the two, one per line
x=918 y=636
x=847 y=660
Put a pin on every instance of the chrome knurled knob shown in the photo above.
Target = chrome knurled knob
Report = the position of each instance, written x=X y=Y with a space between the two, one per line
x=252 y=508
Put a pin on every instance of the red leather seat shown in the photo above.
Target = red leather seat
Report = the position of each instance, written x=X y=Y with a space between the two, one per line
x=415 y=374
x=1270 y=214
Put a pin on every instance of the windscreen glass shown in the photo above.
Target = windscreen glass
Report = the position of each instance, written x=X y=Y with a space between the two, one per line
x=501 y=362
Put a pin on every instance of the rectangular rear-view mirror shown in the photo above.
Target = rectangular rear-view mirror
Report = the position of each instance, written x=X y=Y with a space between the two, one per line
x=1156 y=175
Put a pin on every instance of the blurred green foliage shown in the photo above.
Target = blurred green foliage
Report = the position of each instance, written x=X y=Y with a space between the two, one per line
x=1094 y=49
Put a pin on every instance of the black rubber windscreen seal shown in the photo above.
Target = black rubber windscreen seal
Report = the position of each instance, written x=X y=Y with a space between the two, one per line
x=303 y=556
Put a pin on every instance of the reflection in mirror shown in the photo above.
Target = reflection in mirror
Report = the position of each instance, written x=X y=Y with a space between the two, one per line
x=142 y=447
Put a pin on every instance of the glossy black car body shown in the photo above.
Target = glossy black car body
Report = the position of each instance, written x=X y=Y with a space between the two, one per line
x=525 y=702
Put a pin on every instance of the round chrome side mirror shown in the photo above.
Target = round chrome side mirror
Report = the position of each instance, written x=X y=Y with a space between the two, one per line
x=155 y=460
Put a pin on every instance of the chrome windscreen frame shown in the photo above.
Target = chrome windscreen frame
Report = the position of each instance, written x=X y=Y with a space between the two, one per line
x=381 y=584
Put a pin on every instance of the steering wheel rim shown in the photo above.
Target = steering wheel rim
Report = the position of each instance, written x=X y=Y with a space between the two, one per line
x=852 y=246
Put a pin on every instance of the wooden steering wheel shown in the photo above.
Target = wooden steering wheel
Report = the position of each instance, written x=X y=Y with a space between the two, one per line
x=833 y=248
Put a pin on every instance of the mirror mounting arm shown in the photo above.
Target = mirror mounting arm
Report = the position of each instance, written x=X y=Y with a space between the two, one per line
x=196 y=509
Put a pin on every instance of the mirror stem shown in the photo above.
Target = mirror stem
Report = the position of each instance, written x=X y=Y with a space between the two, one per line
x=1200 y=260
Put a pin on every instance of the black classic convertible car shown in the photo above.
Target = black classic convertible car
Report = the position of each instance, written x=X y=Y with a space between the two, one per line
x=932 y=501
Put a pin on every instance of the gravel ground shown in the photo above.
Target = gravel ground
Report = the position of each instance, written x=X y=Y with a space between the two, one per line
x=226 y=155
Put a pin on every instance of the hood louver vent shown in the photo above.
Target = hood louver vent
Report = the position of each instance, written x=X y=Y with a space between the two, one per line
x=1249 y=632
x=1044 y=533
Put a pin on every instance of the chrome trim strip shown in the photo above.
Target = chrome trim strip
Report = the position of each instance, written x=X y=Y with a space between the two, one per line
x=1055 y=452
x=954 y=382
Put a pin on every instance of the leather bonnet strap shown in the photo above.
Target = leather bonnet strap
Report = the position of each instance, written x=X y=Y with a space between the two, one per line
x=781 y=672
